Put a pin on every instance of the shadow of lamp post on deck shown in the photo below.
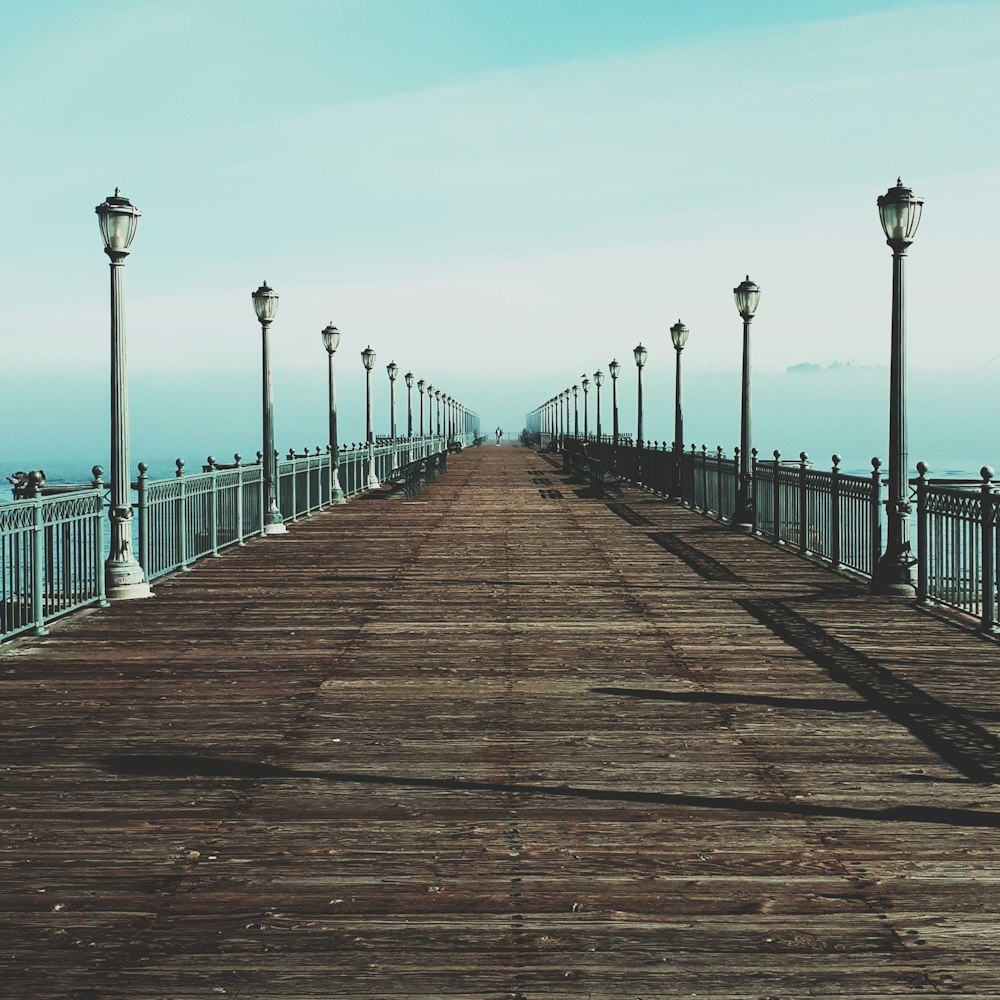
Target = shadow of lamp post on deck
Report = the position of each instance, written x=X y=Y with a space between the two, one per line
x=899 y=211
x=331 y=341
x=639 y=352
x=124 y=577
x=679 y=338
x=368 y=360
x=265 y=305
x=747 y=295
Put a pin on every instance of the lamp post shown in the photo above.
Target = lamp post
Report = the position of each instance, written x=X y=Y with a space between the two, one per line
x=265 y=305
x=899 y=211
x=392 y=370
x=576 y=411
x=585 y=382
x=331 y=341
x=124 y=577
x=639 y=353
x=679 y=337
x=747 y=296
x=614 y=368
x=598 y=381
x=368 y=360
x=421 y=385
x=408 y=379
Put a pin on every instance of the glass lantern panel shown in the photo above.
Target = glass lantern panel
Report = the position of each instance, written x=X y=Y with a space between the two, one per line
x=118 y=228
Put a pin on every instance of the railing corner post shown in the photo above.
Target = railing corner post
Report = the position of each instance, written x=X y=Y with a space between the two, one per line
x=876 y=512
x=143 y=511
x=923 y=546
x=38 y=568
x=988 y=522
x=778 y=540
x=835 y=512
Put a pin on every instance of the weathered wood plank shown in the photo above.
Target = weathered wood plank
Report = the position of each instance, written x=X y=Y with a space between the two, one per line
x=506 y=741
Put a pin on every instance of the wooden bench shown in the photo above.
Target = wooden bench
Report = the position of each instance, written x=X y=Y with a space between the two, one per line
x=407 y=478
x=602 y=480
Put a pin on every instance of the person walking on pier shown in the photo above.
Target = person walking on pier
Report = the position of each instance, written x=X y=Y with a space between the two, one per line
x=499 y=433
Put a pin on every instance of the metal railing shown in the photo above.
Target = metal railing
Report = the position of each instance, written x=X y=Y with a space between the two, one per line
x=831 y=515
x=53 y=547
x=958 y=546
x=51 y=558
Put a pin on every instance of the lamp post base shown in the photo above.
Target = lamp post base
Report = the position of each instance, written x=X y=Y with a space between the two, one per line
x=338 y=497
x=125 y=581
x=373 y=483
x=894 y=578
x=275 y=528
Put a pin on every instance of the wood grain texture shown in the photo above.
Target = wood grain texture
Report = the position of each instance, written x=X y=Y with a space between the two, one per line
x=507 y=740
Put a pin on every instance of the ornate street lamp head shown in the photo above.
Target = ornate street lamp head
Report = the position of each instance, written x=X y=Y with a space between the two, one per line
x=331 y=338
x=585 y=383
x=118 y=219
x=368 y=358
x=576 y=392
x=265 y=303
x=899 y=210
x=599 y=377
x=393 y=369
x=408 y=379
x=614 y=368
x=421 y=385
x=437 y=393
x=747 y=296
x=640 y=355
x=679 y=335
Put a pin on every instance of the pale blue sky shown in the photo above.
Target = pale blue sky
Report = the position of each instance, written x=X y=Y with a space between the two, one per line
x=490 y=193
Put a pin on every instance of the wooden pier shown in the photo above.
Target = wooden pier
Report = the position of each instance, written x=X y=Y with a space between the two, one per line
x=505 y=740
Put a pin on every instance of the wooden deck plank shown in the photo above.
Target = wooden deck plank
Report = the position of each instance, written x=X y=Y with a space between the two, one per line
x=501 y=742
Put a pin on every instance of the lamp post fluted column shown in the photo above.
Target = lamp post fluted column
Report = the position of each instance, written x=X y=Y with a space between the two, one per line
x=408 y=379
x=368 y=360
x=265 y=304
x=598 y=382
x=613 y=368
x=747 y=296
x=437 y=410
x=899 y=212
x=576 y=411
x=124 y=577
x=331 y=341
x=679 y=338
x=392 y=370
x=640 y=360
x=421 y=385
x=585 y=385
